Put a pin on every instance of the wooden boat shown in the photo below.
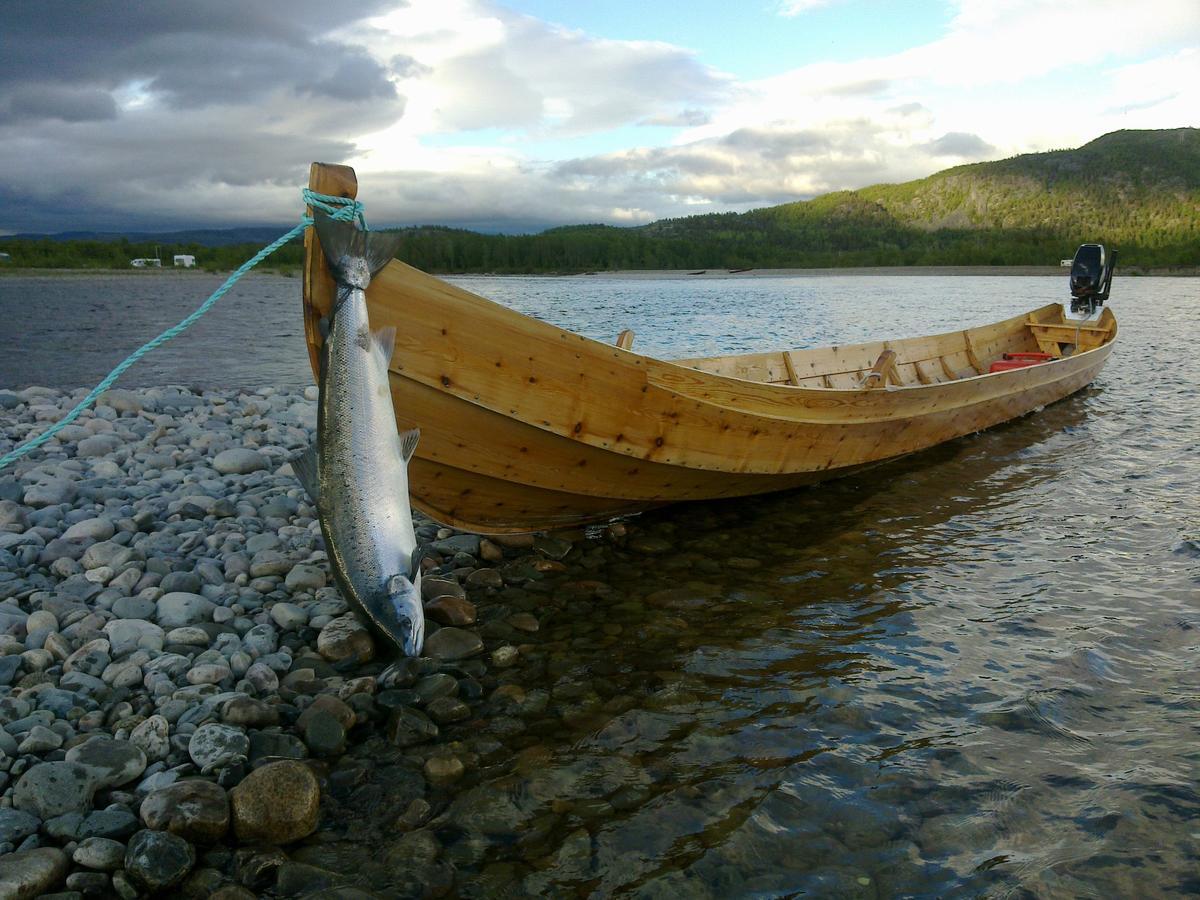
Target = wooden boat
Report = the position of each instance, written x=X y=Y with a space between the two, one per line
x=526 y=427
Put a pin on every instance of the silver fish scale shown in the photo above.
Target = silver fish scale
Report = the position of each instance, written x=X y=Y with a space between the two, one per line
x=364 y=479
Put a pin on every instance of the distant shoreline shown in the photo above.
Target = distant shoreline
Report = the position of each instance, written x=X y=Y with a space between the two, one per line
x=698 y=274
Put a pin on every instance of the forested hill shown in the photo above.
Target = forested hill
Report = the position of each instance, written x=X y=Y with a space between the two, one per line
x=1138 y=191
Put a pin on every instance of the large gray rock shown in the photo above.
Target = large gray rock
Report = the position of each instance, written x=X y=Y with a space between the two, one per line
x=97 y=445
x=51 y=789
x=240 y=461
x=121 y=400
x=50 y=492
x=16 y=825
x=97 y=529
x=180 y=608
x=31 y=873
x=110 y=762
x=127 y=635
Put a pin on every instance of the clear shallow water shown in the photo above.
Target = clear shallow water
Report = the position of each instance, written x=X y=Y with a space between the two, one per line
x=970 y=672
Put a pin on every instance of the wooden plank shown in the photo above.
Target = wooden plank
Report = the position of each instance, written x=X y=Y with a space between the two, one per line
x=318 y=285
x=625 y=339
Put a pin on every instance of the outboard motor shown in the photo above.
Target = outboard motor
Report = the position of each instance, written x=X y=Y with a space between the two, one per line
x=1091 y=278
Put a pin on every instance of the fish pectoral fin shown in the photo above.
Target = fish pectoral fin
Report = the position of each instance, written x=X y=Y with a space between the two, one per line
x=305 y=467
x=408 y=443
x=383 y=344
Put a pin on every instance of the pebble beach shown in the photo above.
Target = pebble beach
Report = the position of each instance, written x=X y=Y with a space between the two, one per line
x=187 y=705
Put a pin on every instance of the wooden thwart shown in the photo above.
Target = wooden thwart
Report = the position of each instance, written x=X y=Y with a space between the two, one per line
x=884 y=368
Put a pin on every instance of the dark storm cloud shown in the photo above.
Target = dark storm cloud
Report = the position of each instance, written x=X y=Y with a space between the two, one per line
x=192 y=53
x=141 y=110
x=31 y=102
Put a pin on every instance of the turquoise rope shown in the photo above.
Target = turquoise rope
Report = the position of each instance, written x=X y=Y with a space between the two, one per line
x=337 y=207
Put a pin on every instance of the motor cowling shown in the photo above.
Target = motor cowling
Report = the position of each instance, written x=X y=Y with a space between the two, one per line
x=1091 y=277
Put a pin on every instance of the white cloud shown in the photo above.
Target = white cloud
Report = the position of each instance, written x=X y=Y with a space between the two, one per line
x=791 y=8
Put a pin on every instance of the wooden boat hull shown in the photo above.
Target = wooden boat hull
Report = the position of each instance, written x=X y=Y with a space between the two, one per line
x=525 y=426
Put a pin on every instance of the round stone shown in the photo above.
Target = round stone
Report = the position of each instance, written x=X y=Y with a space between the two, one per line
x=180 y=608
x=289 y=616
x=452 y=644
x=110 y=762
x=451 y=610
x=214 y=747
x=345 y=638
x=100 y=853
x=152 y=737
x=196 y=810
x=305 y=577
x=31 y=873
x=442 y=770
x=52 y=789
x=98 y=529
x=157 y=860
x=239 y=461
x=276 y=804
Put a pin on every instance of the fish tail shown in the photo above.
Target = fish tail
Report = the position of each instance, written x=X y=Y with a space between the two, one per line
x=343 y=242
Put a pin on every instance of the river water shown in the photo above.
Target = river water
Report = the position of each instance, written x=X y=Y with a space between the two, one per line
x=970 y=672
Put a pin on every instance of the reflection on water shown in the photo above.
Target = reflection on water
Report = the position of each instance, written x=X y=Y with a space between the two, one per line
x=969 y=672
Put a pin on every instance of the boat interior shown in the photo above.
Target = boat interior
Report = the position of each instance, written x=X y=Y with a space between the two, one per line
x=1040 y=336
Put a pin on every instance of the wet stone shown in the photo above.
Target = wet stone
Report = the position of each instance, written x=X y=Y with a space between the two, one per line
x=324 y=735
x=346 y=639
x=445 y=710
x=277 y=804
x=157 y=860
x=450 y=610
x=453 y=644
x=408 y=727
x=433 y=587
x=196 y=810
x=485 y=578
x=31 y=873
x=266 y=746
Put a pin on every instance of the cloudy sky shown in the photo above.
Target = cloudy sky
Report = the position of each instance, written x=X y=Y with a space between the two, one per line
x=514 y=116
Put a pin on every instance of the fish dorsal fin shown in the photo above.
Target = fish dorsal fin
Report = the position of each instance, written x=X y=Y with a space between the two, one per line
x=408 y=443
x=305 y=467
x=383 y=344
